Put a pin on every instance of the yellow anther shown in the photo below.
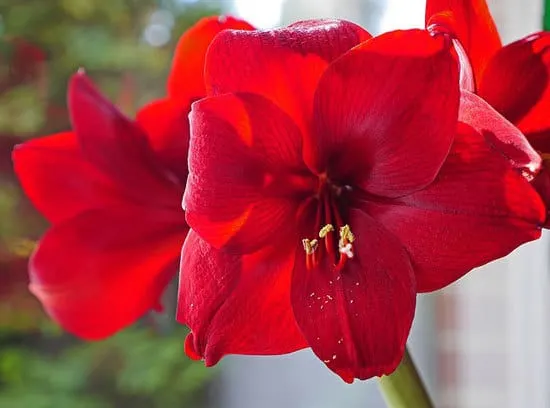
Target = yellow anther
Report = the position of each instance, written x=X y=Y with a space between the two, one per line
x=346 y=234
x=325 y=230
x=310 y=245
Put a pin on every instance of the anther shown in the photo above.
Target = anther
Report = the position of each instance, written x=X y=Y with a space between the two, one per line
x=310 y=245
x=325 y=230
x=346 y=234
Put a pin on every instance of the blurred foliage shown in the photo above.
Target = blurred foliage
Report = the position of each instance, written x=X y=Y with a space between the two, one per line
x=126 y=47
x=135 y=368
x=113 y=40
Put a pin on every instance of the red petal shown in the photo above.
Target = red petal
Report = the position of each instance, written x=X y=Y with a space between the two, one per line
x=540 y=141
x=284 y=65
x=500 y=133
x=186 y=80
x=102 y=270
x=542 y=184
x=59 y=181
x=357 y=320
x=245 y=168
x=167 y=127
x=516 y=82
x=189 y=347
x=478 y=209
x=386 y=112
x=471 y=22
x=116 y=146
x=236 y=305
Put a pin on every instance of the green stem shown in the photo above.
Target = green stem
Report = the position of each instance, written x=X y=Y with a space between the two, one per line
x=404 y=387
x=546 y=18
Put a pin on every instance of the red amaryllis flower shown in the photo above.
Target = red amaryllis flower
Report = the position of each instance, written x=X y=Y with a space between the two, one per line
x=514 y=79
x=327 y=186
x=112 y=189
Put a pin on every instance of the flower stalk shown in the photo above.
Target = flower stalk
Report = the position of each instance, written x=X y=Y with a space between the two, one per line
x=404 y=388
x=546 y=19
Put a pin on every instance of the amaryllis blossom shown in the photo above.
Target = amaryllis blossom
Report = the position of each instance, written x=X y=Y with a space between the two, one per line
x=329 y=184
x=514 y=79
x=112 y=190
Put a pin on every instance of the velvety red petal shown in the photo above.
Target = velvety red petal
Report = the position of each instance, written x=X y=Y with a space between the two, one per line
x=541 y=183
x=166 y=125
x=472 y=24
x=283 y=65
x=357 y=320
x=236 y=304
x=516 y=83
x=499 y=133
x=116 y=145
x=246 y=171
x=186 y=79
x=540 y=141
x=386 y=113
x=58 y=180
x=478 y=209
x=102 y=270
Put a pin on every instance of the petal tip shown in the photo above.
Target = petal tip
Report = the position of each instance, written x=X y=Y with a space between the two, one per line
x=190 y=349
x=80 y=85
x=17 y=151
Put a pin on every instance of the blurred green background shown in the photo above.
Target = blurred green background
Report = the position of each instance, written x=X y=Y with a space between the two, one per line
x=126 y=47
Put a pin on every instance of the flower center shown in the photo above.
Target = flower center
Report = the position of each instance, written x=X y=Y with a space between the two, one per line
x=329 y=222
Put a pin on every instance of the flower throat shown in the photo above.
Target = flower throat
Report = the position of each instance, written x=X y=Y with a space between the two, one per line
x=329 y=222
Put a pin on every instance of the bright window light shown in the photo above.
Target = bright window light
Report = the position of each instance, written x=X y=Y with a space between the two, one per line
x=260 y=13
x=401 y=14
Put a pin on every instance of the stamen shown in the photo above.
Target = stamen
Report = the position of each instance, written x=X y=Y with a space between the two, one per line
x=345 y=246
x=325 y=230
x=346 y=234
x=310 y=245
